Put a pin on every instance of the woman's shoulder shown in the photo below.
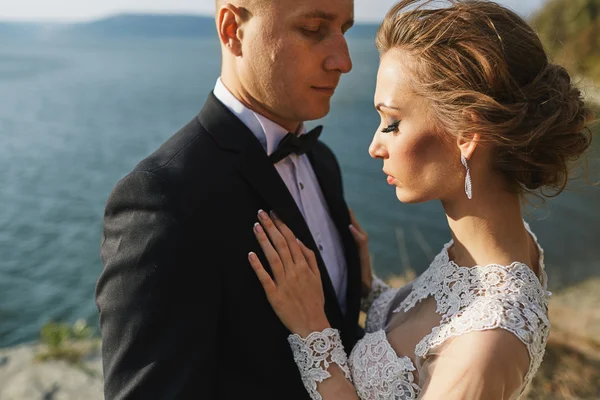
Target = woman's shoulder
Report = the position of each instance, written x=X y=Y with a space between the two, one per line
x=494 y=296
x=510 y=299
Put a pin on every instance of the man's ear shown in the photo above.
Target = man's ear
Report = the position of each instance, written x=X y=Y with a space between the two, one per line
x=467 y=146
x=229 y=23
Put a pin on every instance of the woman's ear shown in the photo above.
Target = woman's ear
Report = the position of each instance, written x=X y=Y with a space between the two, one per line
x=467 y=146
x=229 y=22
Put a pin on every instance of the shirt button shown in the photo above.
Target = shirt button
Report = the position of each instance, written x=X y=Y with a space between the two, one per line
x=321 y=247
x=301 y=186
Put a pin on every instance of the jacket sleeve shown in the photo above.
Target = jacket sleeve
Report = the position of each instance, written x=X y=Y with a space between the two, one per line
x=158 y=333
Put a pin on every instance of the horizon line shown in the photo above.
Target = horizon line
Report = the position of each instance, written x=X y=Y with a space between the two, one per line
x=76 y=20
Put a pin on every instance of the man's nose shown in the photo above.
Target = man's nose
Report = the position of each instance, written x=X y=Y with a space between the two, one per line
x=376 y=148
x=339 y=59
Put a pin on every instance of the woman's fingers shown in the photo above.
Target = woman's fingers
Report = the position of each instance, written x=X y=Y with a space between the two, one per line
x=357 y=235
x=290 y=238
x=309 y=255
x=283 y=251
x=279 y=242
x=263 y=276
x=360 y=238
x=353 y=221
x=270 y=252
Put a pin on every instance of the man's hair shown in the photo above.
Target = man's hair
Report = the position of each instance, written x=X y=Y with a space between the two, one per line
x=246 y=5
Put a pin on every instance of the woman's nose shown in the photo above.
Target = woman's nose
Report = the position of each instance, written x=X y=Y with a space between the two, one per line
x=376 y=149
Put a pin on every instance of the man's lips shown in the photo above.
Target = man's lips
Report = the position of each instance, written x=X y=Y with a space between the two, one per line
x=325 y=89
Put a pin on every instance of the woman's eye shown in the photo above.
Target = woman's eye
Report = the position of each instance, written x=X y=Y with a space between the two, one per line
x=393 y=127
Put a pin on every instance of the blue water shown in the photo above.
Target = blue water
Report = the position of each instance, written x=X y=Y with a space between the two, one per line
x=77 y=116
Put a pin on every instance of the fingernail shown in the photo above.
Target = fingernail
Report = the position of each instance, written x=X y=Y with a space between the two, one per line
x=262 y=215
x=252 y=256
x=258 y=228
x=274 y=215
x=300 y=242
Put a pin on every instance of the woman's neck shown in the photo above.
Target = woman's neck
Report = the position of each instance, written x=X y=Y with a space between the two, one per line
x=489 y=229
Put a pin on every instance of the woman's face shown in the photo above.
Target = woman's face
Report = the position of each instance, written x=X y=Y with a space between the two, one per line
x=419 y=163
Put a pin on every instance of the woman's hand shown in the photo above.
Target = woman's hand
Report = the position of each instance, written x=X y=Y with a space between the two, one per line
x=362 y=241
x=296 y=294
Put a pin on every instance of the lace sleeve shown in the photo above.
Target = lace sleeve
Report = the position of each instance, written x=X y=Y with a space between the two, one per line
x=478 y=365
x=313 y=356
x=378 y=287
x=522 y=315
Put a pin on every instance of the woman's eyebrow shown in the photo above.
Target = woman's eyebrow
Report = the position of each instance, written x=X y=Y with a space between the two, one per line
x=379 y=105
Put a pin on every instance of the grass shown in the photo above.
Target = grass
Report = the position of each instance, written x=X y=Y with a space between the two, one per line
x=566 y=373
x=70 y=343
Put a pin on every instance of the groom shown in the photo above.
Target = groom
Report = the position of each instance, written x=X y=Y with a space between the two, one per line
x=182 y=313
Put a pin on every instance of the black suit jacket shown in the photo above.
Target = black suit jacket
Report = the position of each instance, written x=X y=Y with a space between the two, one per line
x=182 y=313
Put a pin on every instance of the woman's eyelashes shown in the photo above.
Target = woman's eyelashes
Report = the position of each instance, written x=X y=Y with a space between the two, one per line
x=393 y=127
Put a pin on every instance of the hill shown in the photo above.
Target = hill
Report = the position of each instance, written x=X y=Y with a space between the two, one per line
x=137 y=25
x=570 y=30
x=146 y=25
x=26 y=30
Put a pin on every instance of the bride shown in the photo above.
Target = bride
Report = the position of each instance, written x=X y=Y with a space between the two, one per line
x=474 y=115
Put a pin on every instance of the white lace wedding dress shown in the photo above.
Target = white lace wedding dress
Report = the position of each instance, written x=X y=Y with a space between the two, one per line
x=460 y=303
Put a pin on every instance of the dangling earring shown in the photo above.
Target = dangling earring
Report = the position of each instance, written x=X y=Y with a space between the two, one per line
x=468 y=185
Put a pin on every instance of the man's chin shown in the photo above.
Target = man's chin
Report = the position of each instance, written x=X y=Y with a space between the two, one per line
x=317 y=112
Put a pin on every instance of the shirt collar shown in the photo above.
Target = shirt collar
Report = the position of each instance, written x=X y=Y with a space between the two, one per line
x=268 y=133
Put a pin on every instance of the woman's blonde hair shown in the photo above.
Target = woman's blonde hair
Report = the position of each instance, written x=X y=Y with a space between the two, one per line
x=484 y=70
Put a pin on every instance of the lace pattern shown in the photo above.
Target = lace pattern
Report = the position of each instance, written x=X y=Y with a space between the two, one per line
x=377 y=315
x=381 y=373
x=468 y=299
x=378 y=287
x=313 y=356
x=482 y=298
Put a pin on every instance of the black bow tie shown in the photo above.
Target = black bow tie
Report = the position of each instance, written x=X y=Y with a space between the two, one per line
x=292 y=143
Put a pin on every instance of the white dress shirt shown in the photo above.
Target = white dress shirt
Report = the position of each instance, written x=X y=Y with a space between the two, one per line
x=300 y=179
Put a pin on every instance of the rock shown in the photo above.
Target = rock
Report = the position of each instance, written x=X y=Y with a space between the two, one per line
x=23 y=377
x=571 y=367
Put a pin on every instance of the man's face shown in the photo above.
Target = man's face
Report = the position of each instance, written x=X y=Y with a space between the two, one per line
x=293 y=55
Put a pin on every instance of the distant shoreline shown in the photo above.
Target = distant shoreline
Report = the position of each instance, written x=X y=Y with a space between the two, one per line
x=145 y=25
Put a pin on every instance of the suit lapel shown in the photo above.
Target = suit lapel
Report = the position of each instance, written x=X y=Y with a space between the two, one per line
x=259 y=172
x=256 y=168
x=331 y=185
x=330 y=188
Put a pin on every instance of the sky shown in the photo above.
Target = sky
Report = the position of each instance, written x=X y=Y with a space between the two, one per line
x=82 y=10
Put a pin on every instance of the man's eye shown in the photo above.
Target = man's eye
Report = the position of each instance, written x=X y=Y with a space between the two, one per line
x=393 y=127
x=312 y=31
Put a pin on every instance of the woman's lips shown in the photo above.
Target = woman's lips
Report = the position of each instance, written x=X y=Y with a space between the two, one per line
x=391 y=180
